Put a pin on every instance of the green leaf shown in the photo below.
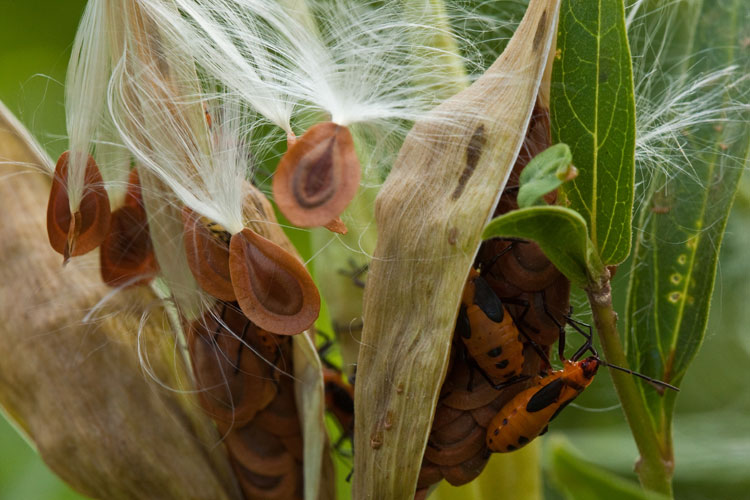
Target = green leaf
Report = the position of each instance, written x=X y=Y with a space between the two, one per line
x=683 y=218
x=560 y=232
x=593 y=111
x=545 y=173
x=581 y=479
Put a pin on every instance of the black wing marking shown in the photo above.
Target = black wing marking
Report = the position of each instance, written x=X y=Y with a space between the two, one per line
x=545 y=396
x=487 y=300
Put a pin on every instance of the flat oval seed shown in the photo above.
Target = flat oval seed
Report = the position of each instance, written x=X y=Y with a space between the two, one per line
x=74 y=234
x=318 y=176
x=273 y=288
x=127 y=255
x=207 y=249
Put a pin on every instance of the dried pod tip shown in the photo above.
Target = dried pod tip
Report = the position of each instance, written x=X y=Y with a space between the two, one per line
x=207 y=249
x=127 y=254
x=77 y=232
x=337 y=226
x=272 y=287
x=318 y=176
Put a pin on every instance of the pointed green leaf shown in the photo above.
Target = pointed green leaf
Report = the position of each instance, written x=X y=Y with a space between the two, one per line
x=545 y=173
x=581 y=479
x=593 y=111
x=560 y=232
x=683 y=218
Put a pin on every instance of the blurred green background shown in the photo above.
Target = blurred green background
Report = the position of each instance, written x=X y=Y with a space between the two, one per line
x=712 y=424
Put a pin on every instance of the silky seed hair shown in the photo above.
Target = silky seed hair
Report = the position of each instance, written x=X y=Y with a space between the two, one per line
x=672 y=102
x=163 y=116
x=297 y=63
x=87 y=120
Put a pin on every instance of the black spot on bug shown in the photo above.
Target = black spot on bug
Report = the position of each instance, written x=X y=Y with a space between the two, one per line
x=502 y=364
x=541 y=29
x=545 y=396
x=510 y=448
x=497 y=431
x=463 y=325
x=487 y=300
x=522 y=440
x=497 y=351
x=473 y=153
x=505 y=421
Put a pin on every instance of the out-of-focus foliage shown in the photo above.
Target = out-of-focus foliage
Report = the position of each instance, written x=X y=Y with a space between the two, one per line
x=35 y=39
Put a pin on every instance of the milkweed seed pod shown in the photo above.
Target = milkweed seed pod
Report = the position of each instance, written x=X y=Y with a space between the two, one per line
x=440 y=192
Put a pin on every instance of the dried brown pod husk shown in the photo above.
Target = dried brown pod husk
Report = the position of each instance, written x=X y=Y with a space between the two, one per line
x=430 y=213
x=74 y=234
x=272 y=287
x=207 y=249
x=318 y=176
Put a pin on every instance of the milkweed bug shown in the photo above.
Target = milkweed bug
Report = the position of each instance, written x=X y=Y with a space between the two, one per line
x=490 y=334
x=528 y=414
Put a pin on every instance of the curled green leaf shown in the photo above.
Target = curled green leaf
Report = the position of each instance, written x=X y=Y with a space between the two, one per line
x=560 y=232
x=545 y=173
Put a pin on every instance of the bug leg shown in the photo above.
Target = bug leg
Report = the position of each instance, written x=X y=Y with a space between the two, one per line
x=560 y=327
x=513 y=241
x=220 y=321
x=355 y=272
x=585 y=330
x=520 y=320
x=240 y=348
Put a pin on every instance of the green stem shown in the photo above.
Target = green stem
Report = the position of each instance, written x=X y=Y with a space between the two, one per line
x=656 y=463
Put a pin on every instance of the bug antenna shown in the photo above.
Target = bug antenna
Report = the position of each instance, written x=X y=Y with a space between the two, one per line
x=640 y=375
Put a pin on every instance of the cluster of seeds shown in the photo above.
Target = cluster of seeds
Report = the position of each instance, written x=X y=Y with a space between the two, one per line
x=243 y=375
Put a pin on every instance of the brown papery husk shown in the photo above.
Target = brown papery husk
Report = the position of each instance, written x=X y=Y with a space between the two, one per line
x=74 y=234
x=430 y=214
x=207 y=251
x=78 y=390
x=318 y=176
x=273 y=288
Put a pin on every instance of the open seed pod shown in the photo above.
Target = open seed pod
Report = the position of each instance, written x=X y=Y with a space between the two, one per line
x=430 y=214
x=318 y=176
x=273 y=288
x=79 y=232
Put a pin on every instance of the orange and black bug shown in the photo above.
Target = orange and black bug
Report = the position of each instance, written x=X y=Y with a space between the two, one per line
x=528 y=414
x=491 y=334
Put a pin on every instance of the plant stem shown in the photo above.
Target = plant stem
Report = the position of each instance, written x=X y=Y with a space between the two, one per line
x=655 y=465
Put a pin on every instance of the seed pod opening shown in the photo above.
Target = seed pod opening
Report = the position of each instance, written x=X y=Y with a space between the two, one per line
x=207 y=249
x=74 y=234
x=318 y=176
x=273 y=288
